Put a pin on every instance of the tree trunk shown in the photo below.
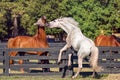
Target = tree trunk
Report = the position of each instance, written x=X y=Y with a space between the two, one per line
x=15 y=26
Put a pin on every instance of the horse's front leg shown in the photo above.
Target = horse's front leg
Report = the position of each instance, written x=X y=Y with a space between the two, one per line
x=61 y=51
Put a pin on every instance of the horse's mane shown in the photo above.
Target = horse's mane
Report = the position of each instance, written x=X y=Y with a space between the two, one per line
x=71 y=20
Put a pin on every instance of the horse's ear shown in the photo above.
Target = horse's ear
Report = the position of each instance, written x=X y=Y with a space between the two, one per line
x=44 y=19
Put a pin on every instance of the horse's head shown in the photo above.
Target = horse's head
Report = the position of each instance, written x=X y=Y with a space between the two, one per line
x=65 y=21
x=41 y=22
x=55 y=23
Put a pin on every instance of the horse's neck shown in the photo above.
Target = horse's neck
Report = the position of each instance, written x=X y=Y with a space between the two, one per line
x=68 y=28
x=41 y=35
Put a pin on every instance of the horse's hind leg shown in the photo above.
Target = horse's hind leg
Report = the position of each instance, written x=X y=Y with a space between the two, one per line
x=45 y=61
x=21 y=61
x=94 y=60
x=79 y=66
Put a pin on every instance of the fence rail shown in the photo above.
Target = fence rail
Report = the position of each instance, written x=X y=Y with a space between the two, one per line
x=109 y=59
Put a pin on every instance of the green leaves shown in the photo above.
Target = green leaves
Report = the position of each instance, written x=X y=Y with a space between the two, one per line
x=92 y=15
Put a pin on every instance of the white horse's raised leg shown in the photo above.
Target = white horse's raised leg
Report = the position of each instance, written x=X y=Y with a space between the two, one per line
x=79 y=66
x=61 y=51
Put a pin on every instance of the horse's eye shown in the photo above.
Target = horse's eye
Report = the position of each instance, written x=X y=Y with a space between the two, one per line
x=54 y=21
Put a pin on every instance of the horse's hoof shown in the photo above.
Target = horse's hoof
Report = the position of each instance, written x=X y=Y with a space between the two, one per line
x=73 y=77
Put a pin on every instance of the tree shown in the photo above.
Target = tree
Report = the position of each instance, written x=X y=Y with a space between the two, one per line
x=92 y=15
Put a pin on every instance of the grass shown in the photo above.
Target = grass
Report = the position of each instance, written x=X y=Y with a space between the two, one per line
x=102 y=77
x=44 y=78
x=58 y=77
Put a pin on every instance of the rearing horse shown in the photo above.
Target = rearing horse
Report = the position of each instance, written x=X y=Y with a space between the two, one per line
x=83 y=45
x=39 y=40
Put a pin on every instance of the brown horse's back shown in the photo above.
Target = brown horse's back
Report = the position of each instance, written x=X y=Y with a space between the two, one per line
x=104 y=40
x=29 y=42
x=26 y=42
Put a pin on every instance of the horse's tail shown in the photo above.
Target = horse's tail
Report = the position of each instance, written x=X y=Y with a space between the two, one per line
x=94 y=59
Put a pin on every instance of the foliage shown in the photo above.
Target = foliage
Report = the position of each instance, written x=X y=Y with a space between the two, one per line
x=92 y=15
x=55 y=77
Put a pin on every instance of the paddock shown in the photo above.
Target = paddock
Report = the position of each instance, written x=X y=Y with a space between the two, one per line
x=109 y=59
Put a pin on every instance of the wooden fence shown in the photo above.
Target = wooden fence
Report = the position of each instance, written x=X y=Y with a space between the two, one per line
x=109 y=59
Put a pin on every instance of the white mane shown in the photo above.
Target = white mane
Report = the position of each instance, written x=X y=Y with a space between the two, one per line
x=71 y=20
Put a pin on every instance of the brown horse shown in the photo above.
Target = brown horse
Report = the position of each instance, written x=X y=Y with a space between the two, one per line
x=104 y=40
x=39 y=40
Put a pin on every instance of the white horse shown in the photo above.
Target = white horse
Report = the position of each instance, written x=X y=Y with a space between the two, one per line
x=83 y=45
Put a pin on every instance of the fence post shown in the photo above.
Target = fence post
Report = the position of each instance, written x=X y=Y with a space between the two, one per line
x=6 y=62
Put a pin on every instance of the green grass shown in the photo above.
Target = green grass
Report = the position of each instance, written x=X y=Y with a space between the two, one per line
x=58 y=77
x=46 y=78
